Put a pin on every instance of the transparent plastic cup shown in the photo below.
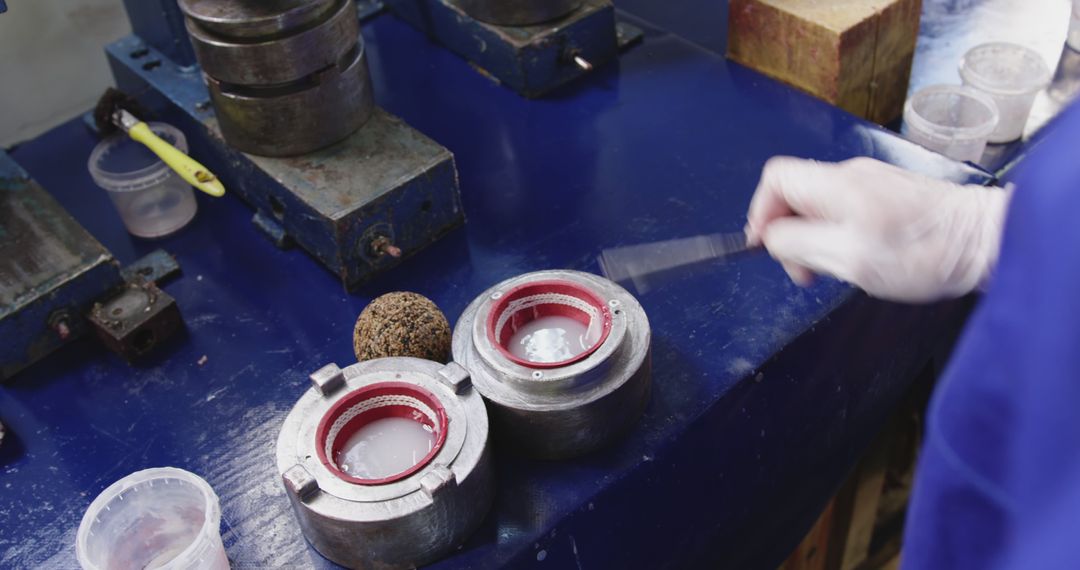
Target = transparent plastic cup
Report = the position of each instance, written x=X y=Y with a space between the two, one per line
x=152 y=200
x=951 y=119
x=1012 y=75
x=163 y=518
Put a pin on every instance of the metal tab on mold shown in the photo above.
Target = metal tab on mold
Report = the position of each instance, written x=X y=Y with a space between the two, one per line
x=328 y=379
x=455 y=376
x=300 y=482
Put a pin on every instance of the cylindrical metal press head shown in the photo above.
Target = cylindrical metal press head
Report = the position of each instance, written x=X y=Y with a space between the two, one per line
x=286 y=77
x=239 y=19
x=518 y=12
x=386 y=462
x=562 y=357
x=279 y=121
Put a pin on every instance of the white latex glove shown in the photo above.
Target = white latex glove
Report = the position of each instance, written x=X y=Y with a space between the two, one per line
x=897 y=235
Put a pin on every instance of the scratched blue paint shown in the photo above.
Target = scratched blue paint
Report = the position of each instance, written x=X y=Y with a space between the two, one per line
x=764 y=393
x=160 y=23
x=531 y=60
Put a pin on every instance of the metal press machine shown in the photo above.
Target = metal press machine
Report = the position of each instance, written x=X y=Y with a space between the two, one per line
x=276 y=98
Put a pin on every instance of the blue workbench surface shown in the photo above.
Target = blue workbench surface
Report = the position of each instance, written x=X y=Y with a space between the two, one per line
x=764 y=394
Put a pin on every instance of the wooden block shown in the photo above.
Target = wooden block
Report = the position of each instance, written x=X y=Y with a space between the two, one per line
x=855 y=54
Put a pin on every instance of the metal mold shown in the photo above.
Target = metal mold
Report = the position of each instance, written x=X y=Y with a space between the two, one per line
x=518 y=12
x=401 y=521
x=286 y=78
x=135 y=320
x=567 y=408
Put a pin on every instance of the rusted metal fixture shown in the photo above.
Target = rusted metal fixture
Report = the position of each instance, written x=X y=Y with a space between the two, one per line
x=136 y=319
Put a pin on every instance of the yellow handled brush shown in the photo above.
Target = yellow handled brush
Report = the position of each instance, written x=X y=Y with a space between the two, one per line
x=112 y=113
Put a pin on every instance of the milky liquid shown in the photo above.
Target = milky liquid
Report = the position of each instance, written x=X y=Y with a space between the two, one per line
x=550 y=339
x=385 y=447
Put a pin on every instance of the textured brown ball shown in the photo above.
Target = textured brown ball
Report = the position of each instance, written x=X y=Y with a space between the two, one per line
x=402 y=324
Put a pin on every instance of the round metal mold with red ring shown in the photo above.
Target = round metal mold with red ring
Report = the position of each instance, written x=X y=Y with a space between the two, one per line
x=373 y=522
x=571 y=406
x=361 y=407
x=553 y=297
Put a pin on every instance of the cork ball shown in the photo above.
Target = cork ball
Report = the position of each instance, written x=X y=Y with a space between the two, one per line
x=402 y=324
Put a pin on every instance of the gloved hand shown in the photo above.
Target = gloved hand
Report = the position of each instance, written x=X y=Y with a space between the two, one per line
x=897 y=235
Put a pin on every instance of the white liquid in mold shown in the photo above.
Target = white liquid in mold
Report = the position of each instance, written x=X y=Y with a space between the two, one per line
x=552 y=338
x=385 y=447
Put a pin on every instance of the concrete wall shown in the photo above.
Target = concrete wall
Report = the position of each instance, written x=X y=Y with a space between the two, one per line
x=52 y=65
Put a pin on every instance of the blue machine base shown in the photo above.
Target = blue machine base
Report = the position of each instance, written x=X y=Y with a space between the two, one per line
x=387 y=180
x=531 y=60
x=51 y=269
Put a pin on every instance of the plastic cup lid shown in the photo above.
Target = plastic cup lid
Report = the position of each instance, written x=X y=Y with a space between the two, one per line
x=1005 y=68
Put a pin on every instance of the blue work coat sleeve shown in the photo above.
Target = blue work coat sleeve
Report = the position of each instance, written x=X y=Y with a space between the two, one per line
x=998 y=482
